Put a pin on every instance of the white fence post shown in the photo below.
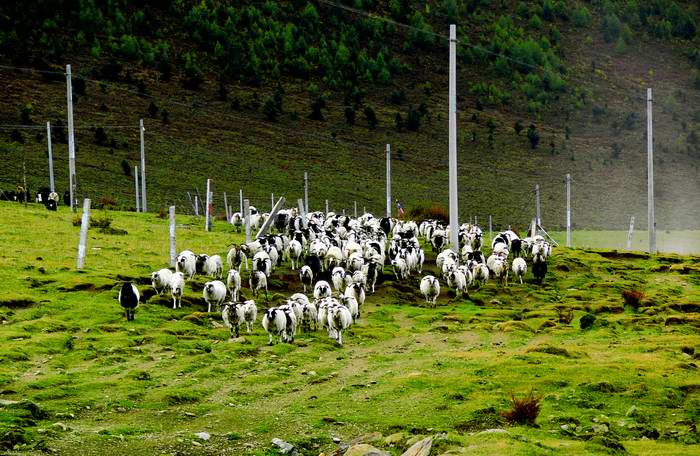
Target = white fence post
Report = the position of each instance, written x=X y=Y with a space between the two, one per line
x=172 y=236
x=302 y=211
x=207 y=210
x=71 y=142
x=48 y=137
x=136 y=183
x=196 y=205
x=144 y=206
x=306 y=191
x=227 y=209
x=246 y=214
x=630 y=233
x=388 y=180
x=271 y=218
x=326 y=208
x=568 y=210
x=538 y=220
x=85 y=222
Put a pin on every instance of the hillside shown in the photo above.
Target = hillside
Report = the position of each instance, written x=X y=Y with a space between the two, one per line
x=255 y=94
x=76 y=378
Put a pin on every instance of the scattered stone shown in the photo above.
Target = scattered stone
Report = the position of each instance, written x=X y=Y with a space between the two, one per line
x=395 y=439
x=366 y=438
x=493 y=431
x=203 y=435
x=600 y=428
x=284 y=447
x=420 y=448
x=508 y=326
x=190 y=414
x=196 y=443
x=546 y=324
x=336 y=440
x=60 y=426
x=632 y=411
x=364 y=449
x=587 y=321
x=216 y=324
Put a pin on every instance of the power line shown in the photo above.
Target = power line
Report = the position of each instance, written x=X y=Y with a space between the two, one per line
x=63 y=127
x=31 y=70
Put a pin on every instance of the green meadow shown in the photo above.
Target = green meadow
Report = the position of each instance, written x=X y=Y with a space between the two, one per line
x=76 y=378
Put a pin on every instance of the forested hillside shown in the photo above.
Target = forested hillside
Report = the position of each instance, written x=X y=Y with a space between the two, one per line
x=253 y=93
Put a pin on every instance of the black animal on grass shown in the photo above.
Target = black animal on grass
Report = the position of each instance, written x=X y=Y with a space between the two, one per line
x=129 y=299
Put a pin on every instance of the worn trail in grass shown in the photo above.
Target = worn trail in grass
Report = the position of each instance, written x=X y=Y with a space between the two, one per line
x=147 y=386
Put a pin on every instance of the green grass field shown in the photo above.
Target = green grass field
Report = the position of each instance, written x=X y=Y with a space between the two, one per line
x=99 y=385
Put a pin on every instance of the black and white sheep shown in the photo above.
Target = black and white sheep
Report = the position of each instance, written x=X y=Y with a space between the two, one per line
x=129 y=299
x=280 y=323
x=237 y=313
x=306 y=276
x=257 y=282
x=322 y=289
x=430 y=288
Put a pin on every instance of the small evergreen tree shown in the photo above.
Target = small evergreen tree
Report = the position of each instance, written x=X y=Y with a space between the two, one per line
x=371 y=117
x=533 y=136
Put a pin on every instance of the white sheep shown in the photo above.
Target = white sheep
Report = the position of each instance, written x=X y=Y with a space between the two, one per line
x=235 y=313
x=480 y=272
x=499 y=268
x=400 y=268
x=339 y=318
x=338 y=278
x=310 y=316
x=355 y=262
x=322 y=289
x=353 y=306
x=233 y=283
x=257 y=282
x=236 y=258
x=161 y=280
x=457 y=280
x=214 y=267
x=177 y=288
x=430 y=287
x=214 y=292
x=280 y=323
x=306 y=276
x=519 y=268
x=295 y=251
x=356 y=291
x=186 y=262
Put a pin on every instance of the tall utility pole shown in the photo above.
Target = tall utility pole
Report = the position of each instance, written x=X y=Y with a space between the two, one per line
x=306 y=191
x=454 y=203
x=388 y=180
x=650 y=176
x=144 y=206
x=538 y=220
x=568 y=210
x=48 y=137
x=71 y=142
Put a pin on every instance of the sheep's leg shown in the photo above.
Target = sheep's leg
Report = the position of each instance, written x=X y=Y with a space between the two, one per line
x=174 y=302
x=521 y=280
x=270 y=341
x=237 y=330
x=209 y=307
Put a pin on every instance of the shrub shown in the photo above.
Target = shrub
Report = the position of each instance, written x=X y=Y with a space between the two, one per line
x=581 y=17
x=533 y=136
x=565 y=315
x=587 y=321
x=100 y=136
x=126 y=168
x=633 y=298
x=427 y=210
x=371 y=117
x=349 y=115
x=106 y=202
x=270 y=109
x=524 y=410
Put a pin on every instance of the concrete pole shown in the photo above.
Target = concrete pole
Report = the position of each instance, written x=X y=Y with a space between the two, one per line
x=454 y=196
x=246 y=214
x=48 y=138
x=306 y=191
x=240 y=200
x=172 y=236
x=273 y=213
x=568 y=210
x=651 y=216
x=144 y=206
x=538 y=220
x=207 y=210
x=136 y=183
x=364 y=211
x=82 y=245
x=196 y=205
x=326 y=208
x=71 y=142
x=388 y=180
x=630 y=233
x=227 y=209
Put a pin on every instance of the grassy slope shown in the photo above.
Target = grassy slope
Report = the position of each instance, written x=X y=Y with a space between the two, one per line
x=239 y=149
x=147 y=387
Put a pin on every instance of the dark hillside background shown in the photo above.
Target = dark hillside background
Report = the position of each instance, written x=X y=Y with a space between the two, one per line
x=252 y=94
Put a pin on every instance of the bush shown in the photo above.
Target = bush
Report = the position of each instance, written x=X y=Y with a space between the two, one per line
x=427 y=210
x=126 y=168
x=270 y=109
x=633 y=298
x=523 y=411
x=106 y=202
x=581 y=17
x=371 y=117
x=100 y=136
x=350 y=115
x=533 y=136
x=587 y=321
x=413 y=119
x=565 y=315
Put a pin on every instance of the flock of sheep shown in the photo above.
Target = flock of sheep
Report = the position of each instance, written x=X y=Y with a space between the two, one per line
x=340 y=258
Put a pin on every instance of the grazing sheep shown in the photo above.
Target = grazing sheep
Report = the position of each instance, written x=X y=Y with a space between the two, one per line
x=257 y=282
x=233 y=283
x=314 y=262
x=355 y=262
x=310 y=316
x=519 y=268
x=333 y=258
x=214 y=267
x=356 y=291
x=129 y=299
x=235 y=313
x=236 y=258
x=353 y=306
x=480 y=272
x=186 y=262
x=300 y=298
x=400 y=268
x=458 y=280
x=306 y=276
x=161 y=280
x=539 y=267
x=280 y=323
x=322 y=289
x=339 y=318
x=262 y=263
x=214 y=291
x=338 y=278
x=237 y=221
x=498 y=267
x=371 y=272
x=177 y=288
x=295 y=251
x=430 y=287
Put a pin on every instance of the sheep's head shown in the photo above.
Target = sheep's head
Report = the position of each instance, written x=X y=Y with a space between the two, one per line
x=209 y=287
x=155 y=276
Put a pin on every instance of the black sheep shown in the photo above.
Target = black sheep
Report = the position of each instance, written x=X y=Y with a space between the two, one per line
x=539 y=269
x=129 y=299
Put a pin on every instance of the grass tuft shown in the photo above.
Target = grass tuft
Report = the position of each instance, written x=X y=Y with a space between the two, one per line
x=633 y=298
x=523 y=410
